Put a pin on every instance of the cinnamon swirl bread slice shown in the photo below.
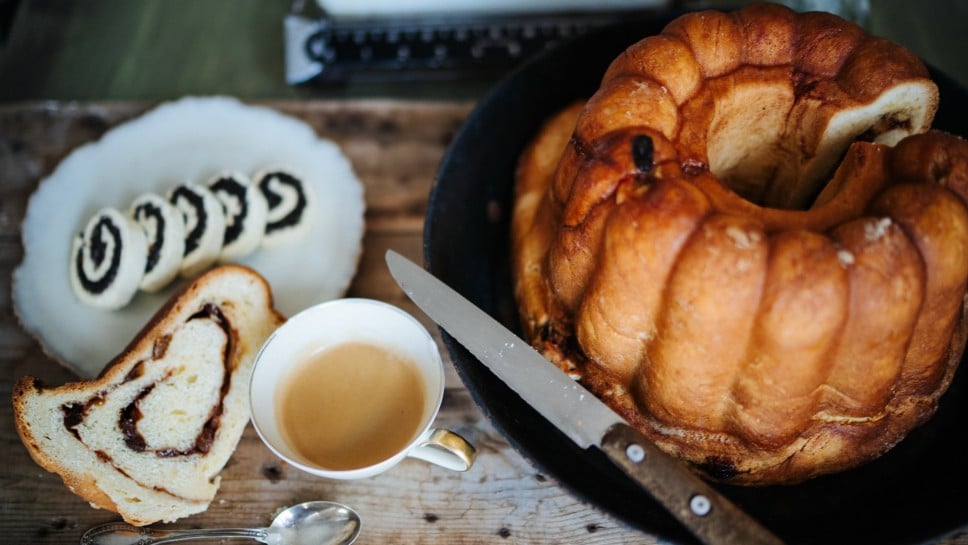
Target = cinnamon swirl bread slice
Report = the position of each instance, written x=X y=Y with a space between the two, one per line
x=150 y=435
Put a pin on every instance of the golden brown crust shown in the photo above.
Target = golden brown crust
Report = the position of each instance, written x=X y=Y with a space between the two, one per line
x=936 y=221
x=800 y=316
x=684 y=259
x=531 y=216
x=875 y=337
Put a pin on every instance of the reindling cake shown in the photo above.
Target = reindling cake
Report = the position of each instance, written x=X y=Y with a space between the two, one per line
x=749 y=243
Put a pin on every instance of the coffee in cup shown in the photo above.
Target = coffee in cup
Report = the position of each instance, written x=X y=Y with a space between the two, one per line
x=348 y=388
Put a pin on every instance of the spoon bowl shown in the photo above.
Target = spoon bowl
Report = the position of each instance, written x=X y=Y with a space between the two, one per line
x=317 y=523
x=308 y=523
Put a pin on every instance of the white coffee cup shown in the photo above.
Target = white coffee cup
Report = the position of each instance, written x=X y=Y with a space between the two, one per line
x=328 y=325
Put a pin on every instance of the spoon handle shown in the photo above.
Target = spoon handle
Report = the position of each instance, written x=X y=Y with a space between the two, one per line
x=120 y=533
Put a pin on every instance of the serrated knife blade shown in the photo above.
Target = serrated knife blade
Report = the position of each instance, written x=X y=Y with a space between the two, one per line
x=578 y=413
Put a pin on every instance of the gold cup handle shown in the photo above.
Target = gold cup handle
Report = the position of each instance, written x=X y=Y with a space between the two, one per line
x=446 y=449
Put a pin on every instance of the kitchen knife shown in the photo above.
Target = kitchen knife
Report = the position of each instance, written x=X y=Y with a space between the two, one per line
x=578 y=413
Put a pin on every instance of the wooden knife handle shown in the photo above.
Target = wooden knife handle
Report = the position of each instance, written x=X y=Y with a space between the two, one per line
x=708 y=515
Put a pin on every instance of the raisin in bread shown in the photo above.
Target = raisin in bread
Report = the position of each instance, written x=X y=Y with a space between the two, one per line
x=150 y=435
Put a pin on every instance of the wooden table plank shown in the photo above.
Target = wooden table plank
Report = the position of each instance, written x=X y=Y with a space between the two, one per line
x=395 y=147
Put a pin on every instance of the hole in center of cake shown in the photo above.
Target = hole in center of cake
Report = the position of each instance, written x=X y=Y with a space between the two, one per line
x=778 y=150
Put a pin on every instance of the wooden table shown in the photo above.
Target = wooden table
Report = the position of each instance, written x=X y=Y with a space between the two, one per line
x=395 y=147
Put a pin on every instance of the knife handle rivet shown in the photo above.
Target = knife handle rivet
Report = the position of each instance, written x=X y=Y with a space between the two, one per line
x=635 y=453
x=700 y=505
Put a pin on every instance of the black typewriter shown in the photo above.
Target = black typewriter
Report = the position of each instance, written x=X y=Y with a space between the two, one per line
x=332 y=41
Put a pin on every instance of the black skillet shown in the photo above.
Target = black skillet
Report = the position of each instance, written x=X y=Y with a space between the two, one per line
x=916 y=492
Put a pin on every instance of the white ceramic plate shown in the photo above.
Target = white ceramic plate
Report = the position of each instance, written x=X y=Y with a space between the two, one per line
x=185 y=140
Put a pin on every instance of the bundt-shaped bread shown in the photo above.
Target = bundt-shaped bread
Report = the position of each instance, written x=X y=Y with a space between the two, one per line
x=746 y=243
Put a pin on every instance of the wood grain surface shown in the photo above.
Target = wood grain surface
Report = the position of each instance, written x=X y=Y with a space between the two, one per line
x=395 y=147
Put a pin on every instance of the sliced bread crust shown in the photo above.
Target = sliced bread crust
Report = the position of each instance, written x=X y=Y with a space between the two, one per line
x=149 y=436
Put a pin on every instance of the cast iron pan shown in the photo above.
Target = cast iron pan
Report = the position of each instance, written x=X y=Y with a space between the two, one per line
x=917 y=491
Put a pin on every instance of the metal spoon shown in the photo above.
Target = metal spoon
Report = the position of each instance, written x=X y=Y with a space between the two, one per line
x=309 y=523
